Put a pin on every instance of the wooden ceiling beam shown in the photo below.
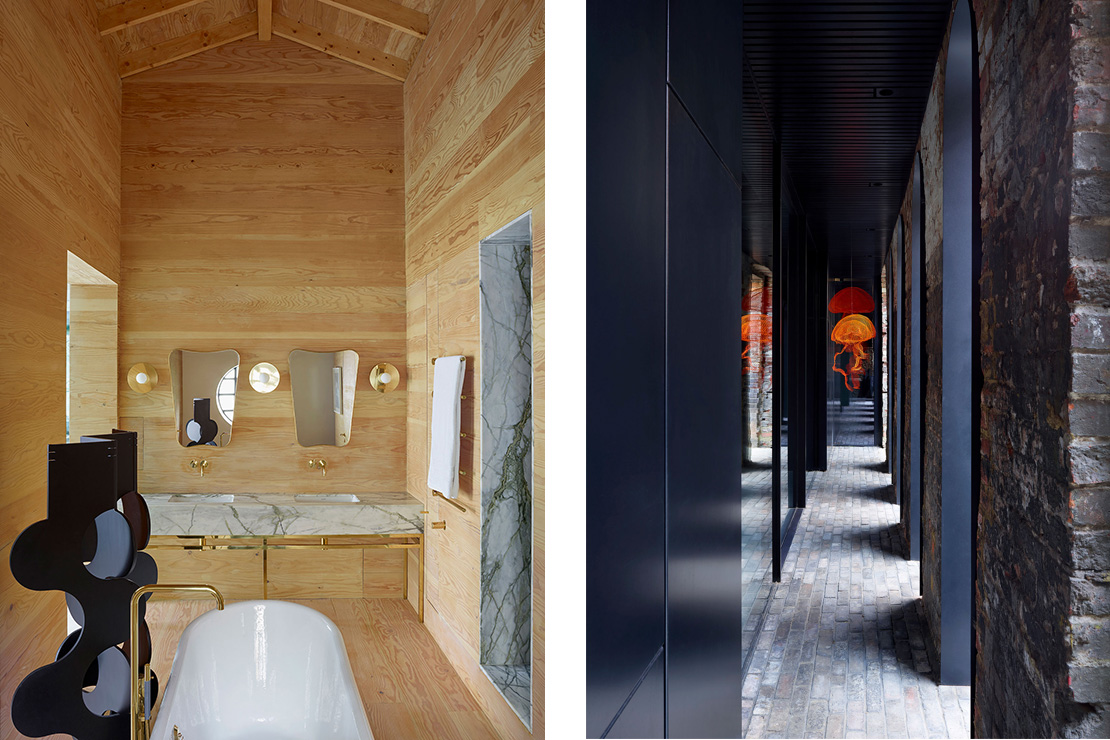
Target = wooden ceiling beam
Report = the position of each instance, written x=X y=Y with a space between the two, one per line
x=187 y=45
x=133 y=12
x=338 y=46
x=388 y=13
x=265 y=19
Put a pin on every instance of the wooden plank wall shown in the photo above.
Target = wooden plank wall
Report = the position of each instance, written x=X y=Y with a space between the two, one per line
x=474 y=161
x=59 y=192
x=263 y=211
x=92 y=357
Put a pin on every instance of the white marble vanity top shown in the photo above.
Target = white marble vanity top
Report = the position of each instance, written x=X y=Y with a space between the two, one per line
x=283 y=514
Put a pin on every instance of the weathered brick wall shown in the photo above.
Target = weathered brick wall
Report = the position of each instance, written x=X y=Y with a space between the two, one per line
x=930 y=147
x=1043 y=594
x=1088 y=294
x=1026 y=529
x=907 y=271
x=884 y=309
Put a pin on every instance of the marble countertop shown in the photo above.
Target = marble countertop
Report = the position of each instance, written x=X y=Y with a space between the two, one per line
x=284 y=514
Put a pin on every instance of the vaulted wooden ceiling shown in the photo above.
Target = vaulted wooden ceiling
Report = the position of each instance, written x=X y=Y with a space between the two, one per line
x=381 y=35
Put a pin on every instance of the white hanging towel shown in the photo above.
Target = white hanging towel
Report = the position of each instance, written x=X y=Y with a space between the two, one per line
x=443 y=460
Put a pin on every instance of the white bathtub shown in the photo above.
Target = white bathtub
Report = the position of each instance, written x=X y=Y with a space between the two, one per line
x=262 y=669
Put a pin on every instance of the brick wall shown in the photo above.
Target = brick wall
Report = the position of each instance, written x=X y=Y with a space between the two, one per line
x=1088 y=295
x=1041 y=594
x=1043 y=591
x=905 y=248
x=930 y=148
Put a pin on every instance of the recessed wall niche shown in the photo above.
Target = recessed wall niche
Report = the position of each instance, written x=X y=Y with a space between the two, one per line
x=505 y=623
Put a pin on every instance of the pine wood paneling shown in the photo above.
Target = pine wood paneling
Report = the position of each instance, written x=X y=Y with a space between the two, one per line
x=141 y=60
x=236 y=573
x=474 y=161
x=309 y=574
x=92 y=353
x=59 y=193
x=263 y=211
x=176 y=23
x=383 y=574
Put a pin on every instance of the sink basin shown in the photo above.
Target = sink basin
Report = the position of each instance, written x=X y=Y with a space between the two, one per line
x=327 y=498
x=202 y=498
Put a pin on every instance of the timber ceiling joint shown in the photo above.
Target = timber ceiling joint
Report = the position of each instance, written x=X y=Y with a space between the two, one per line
x=341 y=34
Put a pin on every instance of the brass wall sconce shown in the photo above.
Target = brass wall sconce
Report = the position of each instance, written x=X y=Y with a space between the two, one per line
x=264 y=377
x=142 y=377
x=384 y=377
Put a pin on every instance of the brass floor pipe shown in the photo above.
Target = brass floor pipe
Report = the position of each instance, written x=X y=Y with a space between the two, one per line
x=139 y=729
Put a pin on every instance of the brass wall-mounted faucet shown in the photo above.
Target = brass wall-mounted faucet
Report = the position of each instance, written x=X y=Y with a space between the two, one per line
x=320 y=463
x=201 y=465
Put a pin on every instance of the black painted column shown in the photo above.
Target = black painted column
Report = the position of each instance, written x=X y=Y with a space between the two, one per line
x=817 y=363
x=704 y=370
x=960 y=355
x=626 y=150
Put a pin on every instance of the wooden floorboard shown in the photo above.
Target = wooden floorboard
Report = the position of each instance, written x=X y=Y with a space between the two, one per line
x=407 y=685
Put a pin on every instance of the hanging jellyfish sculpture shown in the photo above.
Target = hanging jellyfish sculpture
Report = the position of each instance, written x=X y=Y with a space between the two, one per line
x=852 y=331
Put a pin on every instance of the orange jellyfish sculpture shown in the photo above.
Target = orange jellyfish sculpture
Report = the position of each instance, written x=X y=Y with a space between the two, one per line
x=754 y=328
x=851 y=300
x=852 y=331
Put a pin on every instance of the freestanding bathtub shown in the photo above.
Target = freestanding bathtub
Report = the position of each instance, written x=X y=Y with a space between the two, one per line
x=262 y=669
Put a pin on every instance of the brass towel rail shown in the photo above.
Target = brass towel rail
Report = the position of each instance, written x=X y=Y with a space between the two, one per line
x=451 y=501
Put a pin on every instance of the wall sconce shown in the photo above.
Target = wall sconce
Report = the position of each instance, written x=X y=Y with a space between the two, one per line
x=142 y=377
x=264 y=377
x=384 y=377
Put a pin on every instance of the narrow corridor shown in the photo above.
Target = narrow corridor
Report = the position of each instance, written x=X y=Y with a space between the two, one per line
x=841 y=652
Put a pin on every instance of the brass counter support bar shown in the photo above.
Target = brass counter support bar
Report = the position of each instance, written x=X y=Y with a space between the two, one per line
x=265 y=543
x=139 y=711
x=451 y=501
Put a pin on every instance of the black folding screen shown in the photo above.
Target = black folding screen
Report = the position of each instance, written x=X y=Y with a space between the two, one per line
x=90 y=550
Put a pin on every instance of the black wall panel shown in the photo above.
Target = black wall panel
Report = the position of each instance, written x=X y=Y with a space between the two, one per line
x=626 y=104
x=706 y=69
x=643 y=716
x=704 y=437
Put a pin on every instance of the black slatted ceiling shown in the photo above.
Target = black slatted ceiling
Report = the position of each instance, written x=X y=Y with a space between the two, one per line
x=818 y=66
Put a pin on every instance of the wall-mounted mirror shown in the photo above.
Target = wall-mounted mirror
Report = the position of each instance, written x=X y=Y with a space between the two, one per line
x=204 y=386
x=323 y=395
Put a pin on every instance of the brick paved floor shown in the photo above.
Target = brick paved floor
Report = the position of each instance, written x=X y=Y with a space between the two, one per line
x=841 y=650
x=852 y=425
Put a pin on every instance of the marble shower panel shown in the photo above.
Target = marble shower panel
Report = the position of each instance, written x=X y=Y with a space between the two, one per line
x=506 y=444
